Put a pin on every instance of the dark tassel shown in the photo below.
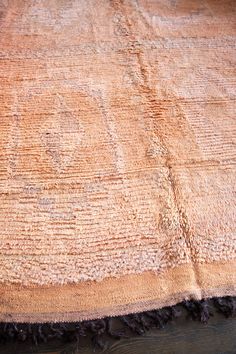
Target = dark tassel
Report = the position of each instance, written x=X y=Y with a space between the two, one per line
x=204 y=311
x=161 y=317
x=41 y=335
x=55 y=331
x=132 y=324
x=143 y=320
x=22 y=335
x=98 y=329
x=80 y=329
x=156 y=317
x=226 y=305
x=116 y=334
x=198 y=310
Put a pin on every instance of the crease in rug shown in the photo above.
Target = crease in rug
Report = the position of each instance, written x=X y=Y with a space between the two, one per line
x=117 y=165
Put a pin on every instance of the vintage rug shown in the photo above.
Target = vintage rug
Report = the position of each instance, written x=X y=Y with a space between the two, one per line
x=117 y=156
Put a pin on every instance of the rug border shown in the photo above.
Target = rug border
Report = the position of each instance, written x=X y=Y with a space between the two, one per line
x=116 y=296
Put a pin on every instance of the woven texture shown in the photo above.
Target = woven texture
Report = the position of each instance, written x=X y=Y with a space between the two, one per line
x=117 y=156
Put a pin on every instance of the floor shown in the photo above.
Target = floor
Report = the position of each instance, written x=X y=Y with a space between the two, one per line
x=184 y=336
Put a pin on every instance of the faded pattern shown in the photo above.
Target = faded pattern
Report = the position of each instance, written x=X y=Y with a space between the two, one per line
x=117 y=137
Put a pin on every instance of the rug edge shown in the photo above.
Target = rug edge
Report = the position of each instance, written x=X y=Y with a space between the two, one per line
x=115 y=297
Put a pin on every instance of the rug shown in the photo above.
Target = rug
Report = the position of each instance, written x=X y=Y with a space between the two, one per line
x=117 y=156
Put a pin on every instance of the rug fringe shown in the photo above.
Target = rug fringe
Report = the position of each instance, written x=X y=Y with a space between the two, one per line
x=99 y=330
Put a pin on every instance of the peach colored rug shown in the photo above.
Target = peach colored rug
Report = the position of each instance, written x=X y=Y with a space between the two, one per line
x=117 y=156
